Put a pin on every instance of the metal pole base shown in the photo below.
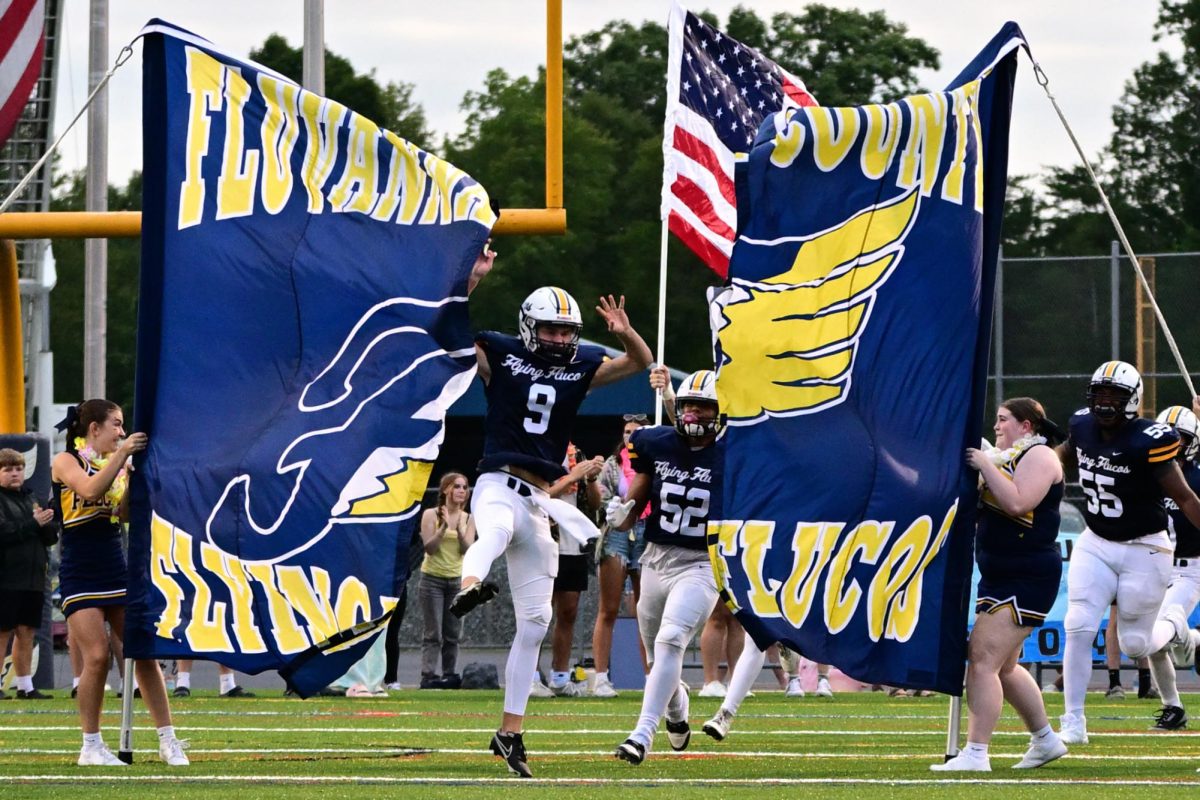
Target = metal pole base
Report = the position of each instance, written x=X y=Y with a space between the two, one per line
x=125 y=755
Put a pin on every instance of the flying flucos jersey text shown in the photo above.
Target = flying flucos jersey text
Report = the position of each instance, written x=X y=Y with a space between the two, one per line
x=350 y=164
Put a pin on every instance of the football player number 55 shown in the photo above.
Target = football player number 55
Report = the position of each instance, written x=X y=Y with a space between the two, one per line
x=541 y=400
x=1099 y=499
x=683 y=512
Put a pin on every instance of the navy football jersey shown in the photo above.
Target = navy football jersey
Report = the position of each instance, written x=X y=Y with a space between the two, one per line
x=685 y=490
x=1187 y=538
x=1120 y=476
x=531 y=404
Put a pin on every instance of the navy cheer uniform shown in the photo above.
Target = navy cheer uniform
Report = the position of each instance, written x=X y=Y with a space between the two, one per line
x=1020 y=566
x=93 y=572
x=1120 y=475
x=1185 y=534
x=531 y=404
x=685 y=491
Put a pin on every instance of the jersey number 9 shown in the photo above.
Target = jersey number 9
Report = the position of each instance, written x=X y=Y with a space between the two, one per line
x=541 y=401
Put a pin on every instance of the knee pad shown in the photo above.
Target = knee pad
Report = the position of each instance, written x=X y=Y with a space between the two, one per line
x=1080 y=619
x=1134 y=644
x=674 y=636
x=534 y=617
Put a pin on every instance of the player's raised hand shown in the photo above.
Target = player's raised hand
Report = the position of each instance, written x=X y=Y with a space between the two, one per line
x=613 y=313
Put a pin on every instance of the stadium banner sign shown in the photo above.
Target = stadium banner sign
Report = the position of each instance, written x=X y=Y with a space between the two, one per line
x=852 y=353
x=302 y=331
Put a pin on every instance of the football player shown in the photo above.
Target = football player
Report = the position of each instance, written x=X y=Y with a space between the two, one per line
x=677 y=474
x=1183 y=591
x=1126 y=466
x=534 y=385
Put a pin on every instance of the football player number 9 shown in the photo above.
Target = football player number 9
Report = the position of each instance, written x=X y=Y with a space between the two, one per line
x=683 y=512
x=541 y=400
x=1099 y=500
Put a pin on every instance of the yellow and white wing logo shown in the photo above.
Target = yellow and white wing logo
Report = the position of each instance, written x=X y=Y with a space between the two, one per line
x=789 y=341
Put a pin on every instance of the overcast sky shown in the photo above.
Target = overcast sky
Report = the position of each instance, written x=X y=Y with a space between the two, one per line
x=1089 y=49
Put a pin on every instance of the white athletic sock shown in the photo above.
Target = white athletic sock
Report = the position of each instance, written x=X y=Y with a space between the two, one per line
x=92 y=740
x=522 y=664
x=661 y=685
x=1077 y=669
x=74 y=683
x=477 y=561
x=24 y=683
x=976 y=750
x=166 y=733
x=1040 y=736
x=559 y=678
x=183 y=680
x=227 y=682
x=745 y=672
x=1164 y=676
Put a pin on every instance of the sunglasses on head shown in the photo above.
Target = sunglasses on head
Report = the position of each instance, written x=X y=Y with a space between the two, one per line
x=635 y=417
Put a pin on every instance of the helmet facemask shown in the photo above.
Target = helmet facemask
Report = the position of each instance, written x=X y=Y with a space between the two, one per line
x=693 y=425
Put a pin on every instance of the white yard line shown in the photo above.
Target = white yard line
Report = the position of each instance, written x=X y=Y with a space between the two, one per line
x=176 y=776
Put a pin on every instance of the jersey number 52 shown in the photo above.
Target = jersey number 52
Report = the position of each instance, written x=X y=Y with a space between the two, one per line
x=1099 y=499
x=683 y=511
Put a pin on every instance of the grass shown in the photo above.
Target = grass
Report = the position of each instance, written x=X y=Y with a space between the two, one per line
x=433 y=745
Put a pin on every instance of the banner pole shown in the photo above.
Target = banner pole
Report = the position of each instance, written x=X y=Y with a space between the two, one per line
x=662 y=319
x=953 y=727
x=125 y=751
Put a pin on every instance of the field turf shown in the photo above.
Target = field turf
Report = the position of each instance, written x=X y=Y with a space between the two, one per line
x=433 y=745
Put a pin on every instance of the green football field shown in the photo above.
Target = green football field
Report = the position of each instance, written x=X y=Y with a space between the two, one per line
x=433 y=744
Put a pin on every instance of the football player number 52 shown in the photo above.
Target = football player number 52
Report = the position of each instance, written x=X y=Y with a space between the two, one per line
x=541 y=400
x=1099 y=499
x=683 y=512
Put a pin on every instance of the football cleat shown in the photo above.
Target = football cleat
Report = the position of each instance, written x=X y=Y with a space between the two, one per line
x=1170 y=718
x=1115 y=693
x=473 y=596
x=1073 y=729
x=631 y=751
x=33 y=694
x=718 y=726
x=181 y=691
x=1042 y=753
x=238 y=691
x=679 y=734
x=511 y=747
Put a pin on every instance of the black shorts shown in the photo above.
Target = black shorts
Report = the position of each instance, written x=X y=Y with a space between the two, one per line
x=20 y=608
x=572 y=574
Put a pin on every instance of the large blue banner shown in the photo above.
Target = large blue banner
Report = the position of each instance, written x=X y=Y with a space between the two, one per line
x=302 y=331
x=852 y=357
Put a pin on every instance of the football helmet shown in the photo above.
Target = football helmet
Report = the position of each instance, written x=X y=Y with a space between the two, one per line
x=1184 y=421
x=699 y=387
x=1122 y=376
x=549 y=305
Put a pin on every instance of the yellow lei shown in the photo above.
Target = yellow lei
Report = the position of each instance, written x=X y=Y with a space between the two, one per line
x=116 y=491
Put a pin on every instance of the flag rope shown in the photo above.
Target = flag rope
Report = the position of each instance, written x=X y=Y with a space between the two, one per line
x=1044 y=82
x=122 y=57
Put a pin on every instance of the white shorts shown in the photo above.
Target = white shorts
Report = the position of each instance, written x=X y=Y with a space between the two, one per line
x=1132 y=574
x=678 y=590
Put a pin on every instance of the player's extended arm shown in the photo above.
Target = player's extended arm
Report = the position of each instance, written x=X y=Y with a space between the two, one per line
x=1175 y=487
x=637 y=354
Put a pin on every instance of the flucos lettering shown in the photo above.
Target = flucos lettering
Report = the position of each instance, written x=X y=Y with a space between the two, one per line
x=212 y=609
x=347 y=165
x=822 y=560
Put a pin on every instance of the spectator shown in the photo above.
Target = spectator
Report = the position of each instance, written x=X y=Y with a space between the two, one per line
x=26 y=530
x=446 y=532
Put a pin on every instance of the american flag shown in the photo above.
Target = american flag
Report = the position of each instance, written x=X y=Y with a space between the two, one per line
x=718 y=93
x=21 y=47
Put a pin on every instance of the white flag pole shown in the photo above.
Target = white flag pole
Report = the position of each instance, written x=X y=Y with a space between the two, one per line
x=662 y=319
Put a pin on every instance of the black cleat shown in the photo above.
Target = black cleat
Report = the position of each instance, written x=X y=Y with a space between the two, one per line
x=1170 y=718
x=631 y=751
x=679 y=734
x=238 y=691
x=181 y=691
x=475 y=595
x=511 y=747
x=33 y=694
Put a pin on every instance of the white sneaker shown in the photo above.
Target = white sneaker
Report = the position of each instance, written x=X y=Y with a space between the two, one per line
x=394 y=686
x=1051 y=688
x=569 y=689
x=794 y=689
x=1042 y=753
x=604 y=688
x=713 y=689
x=964 y=763
x=1072 y=729
x=718 y=726
x=823 y=687
x=539 y=689
x=99 y=756
x=171 y=752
